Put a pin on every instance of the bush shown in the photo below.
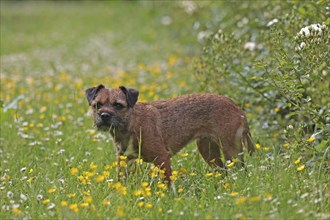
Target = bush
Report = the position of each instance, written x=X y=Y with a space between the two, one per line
x=278 y=70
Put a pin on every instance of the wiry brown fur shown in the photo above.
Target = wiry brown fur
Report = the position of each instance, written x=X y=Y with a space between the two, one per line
x=160 y=129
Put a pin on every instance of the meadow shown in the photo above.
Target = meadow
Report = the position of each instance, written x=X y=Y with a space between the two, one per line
x=55 y=165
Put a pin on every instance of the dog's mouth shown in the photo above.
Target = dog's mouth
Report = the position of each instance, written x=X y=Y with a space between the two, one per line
x=107 y=125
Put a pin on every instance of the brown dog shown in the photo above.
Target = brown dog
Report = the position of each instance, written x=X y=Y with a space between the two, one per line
x=158 y=130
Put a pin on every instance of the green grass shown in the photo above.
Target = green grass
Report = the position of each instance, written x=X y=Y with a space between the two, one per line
x=54 y=164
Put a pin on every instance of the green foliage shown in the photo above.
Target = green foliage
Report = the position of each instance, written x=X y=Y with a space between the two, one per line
x=280 y=74
x=56 y=165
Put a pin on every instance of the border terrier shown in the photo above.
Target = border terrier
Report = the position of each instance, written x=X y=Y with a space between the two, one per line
x=155 y=131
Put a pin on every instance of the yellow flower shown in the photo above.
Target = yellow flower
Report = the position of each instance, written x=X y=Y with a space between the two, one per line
x=93 y=166
x=71 y=195
x=64 y=203
x=137 y=193
x=88 y=199
x=265 y=148
x=254 y=199
x=16 y=211
x=231 y=164
x=148 y=205
x=225 y=185
x=74 y=208
x=240 y=200
x=285 y=145
x=122 y=157
x=52 y=190
x=233 y=194
x=140 y=204
x=180 y=190
x=209 y=174
x=122 y=163
x=277 y=109
x=184 y=154
x=144 y=184
x=106 y=202
x=311 y=139
x=301 y=168
x=297 y=161
x=84 y=204
x=100 y=179
x=120 y=212
x=45 y=201
x=192 y=174
x=74 y=170
x=258 y=146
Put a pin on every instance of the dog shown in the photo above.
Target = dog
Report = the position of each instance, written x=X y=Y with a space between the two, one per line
x=155 y=131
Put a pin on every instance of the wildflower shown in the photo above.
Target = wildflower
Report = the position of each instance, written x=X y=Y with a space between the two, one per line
x=240 y=200
x=285 y=145
x=64 y=203
x=140 y=204
x=230 y=163
x=209 y=174
x=297 y=161
x=10 y=194
x=51 y=190
x=74 y=170
x=192 y=174
x=180 y=190
x=51 y=206
x=93 y=166
x=174 y=175
x=270 y=23
x=71 y=195
x=258 y=146
x=100 y=179
x=311 y=139
x=254 y=199
x=225 y=185
x=148 y=205
x=23 y=197
x=250 y=46
x=184 y=154
x=74 y=207
x=233 y=194
x=122 y=163
x=139 y=161
x=88 y=199
x=120 y=212
x=106 y=202
x=144 y=184
x=45 y=201
x=301 y=168
x=16 y=211
x=84 y=204
x=137 y=193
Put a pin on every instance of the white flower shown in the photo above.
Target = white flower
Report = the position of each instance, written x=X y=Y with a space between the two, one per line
x=270 y=23
x=23 y=197
x=10 y=194
x=51 y=206
x=39 y=197
x=305 y=32
x=250 y=46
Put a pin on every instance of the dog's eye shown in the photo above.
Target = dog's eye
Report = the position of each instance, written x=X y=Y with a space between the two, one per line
x=97 y=105
x=118 y=106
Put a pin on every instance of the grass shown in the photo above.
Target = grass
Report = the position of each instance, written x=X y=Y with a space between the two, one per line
x=54 y=164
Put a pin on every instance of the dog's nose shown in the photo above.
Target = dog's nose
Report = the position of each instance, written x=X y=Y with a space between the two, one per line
x=105 y=116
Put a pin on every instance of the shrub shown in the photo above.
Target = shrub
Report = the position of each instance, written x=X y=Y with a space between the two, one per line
x=278 y=70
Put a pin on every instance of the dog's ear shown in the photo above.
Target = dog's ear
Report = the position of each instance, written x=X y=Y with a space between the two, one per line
x=91 y=93
x=131 y=95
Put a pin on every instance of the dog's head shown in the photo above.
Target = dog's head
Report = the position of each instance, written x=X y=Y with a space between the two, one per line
x=111 y=107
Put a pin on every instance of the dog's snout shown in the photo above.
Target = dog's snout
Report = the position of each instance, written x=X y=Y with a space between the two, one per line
x=105 y=116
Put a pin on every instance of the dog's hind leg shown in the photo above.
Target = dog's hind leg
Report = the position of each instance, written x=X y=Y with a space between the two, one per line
x=210 y=151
